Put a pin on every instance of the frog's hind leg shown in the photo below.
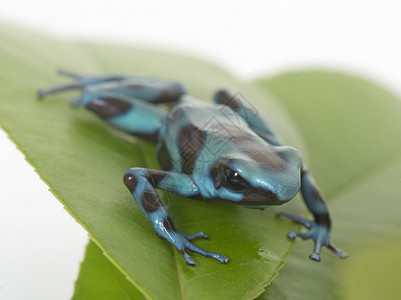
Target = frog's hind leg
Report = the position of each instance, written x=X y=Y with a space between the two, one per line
x=155 y=91
x=81 y=81
x=128 y=114
x=126 y=102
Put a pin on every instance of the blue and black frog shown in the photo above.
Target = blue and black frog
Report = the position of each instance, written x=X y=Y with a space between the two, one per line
x=223 y=151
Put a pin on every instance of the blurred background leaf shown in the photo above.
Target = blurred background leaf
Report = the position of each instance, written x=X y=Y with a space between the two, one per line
x=352 y=130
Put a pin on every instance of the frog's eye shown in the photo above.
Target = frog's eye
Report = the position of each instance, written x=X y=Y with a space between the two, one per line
x=233 y=180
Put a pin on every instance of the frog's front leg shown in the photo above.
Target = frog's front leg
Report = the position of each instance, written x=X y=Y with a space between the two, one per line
x=319 y=229
x=142 y=184
x=249 y=114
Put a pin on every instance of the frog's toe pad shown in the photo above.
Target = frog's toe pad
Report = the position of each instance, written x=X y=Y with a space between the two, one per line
x=304 y=222
x=188 y=259
x=223 y=259
x=315 y=256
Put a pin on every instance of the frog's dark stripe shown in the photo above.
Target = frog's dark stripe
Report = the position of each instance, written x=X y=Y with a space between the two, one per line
x=168 y=224
x=258 y=196
x=323 y=219
x=156 y=176
x=134 y=85
x=153 y=176
x=314 y=199
x=320 y=218
x=168 y=96
x=317 y=195
x=190 y=143
x=107 y=107
x=164 y=158
x=150 y=202
x=227 y=98
x=130 y=181
x=273 y=162
x=237 y=104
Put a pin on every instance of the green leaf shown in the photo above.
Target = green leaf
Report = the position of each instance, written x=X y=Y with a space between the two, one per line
x=83 y=161
x=351 y=128
x=99 y=279
x=384 y=282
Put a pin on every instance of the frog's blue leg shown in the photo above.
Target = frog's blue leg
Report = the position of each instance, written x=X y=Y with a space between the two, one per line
x=143 y=88
x=127 y=114
x=127 y=103
x=81 y=81
x=142 y=184
x=319 y=229
x=248 y=113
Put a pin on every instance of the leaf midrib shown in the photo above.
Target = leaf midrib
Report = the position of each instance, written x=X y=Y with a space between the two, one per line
x=179 y=278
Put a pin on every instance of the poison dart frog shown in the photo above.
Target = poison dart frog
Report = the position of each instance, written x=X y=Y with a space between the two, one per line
x=222 y=151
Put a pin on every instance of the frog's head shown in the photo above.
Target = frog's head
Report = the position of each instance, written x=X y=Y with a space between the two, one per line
x=258 y=176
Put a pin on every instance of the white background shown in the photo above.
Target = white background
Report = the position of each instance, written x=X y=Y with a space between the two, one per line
x=40 y=244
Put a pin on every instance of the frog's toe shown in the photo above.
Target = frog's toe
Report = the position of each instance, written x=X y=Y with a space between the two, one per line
x=304 y=222
x=315 y=256
x=220 y=257
x=188 y=259
x=223 y=259
x=318 y=233
x=182 y=242
x=321 y=237
x=340 y=253
x=294 y=234
x=197 y=235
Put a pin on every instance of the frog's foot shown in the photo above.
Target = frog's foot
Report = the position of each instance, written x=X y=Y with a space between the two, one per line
x=318 y=233
x=182 y=242
x=81 y=81
x=58 y=88
x=166 y=230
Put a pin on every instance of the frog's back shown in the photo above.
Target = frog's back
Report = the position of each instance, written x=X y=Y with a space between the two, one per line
x=192 y=125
